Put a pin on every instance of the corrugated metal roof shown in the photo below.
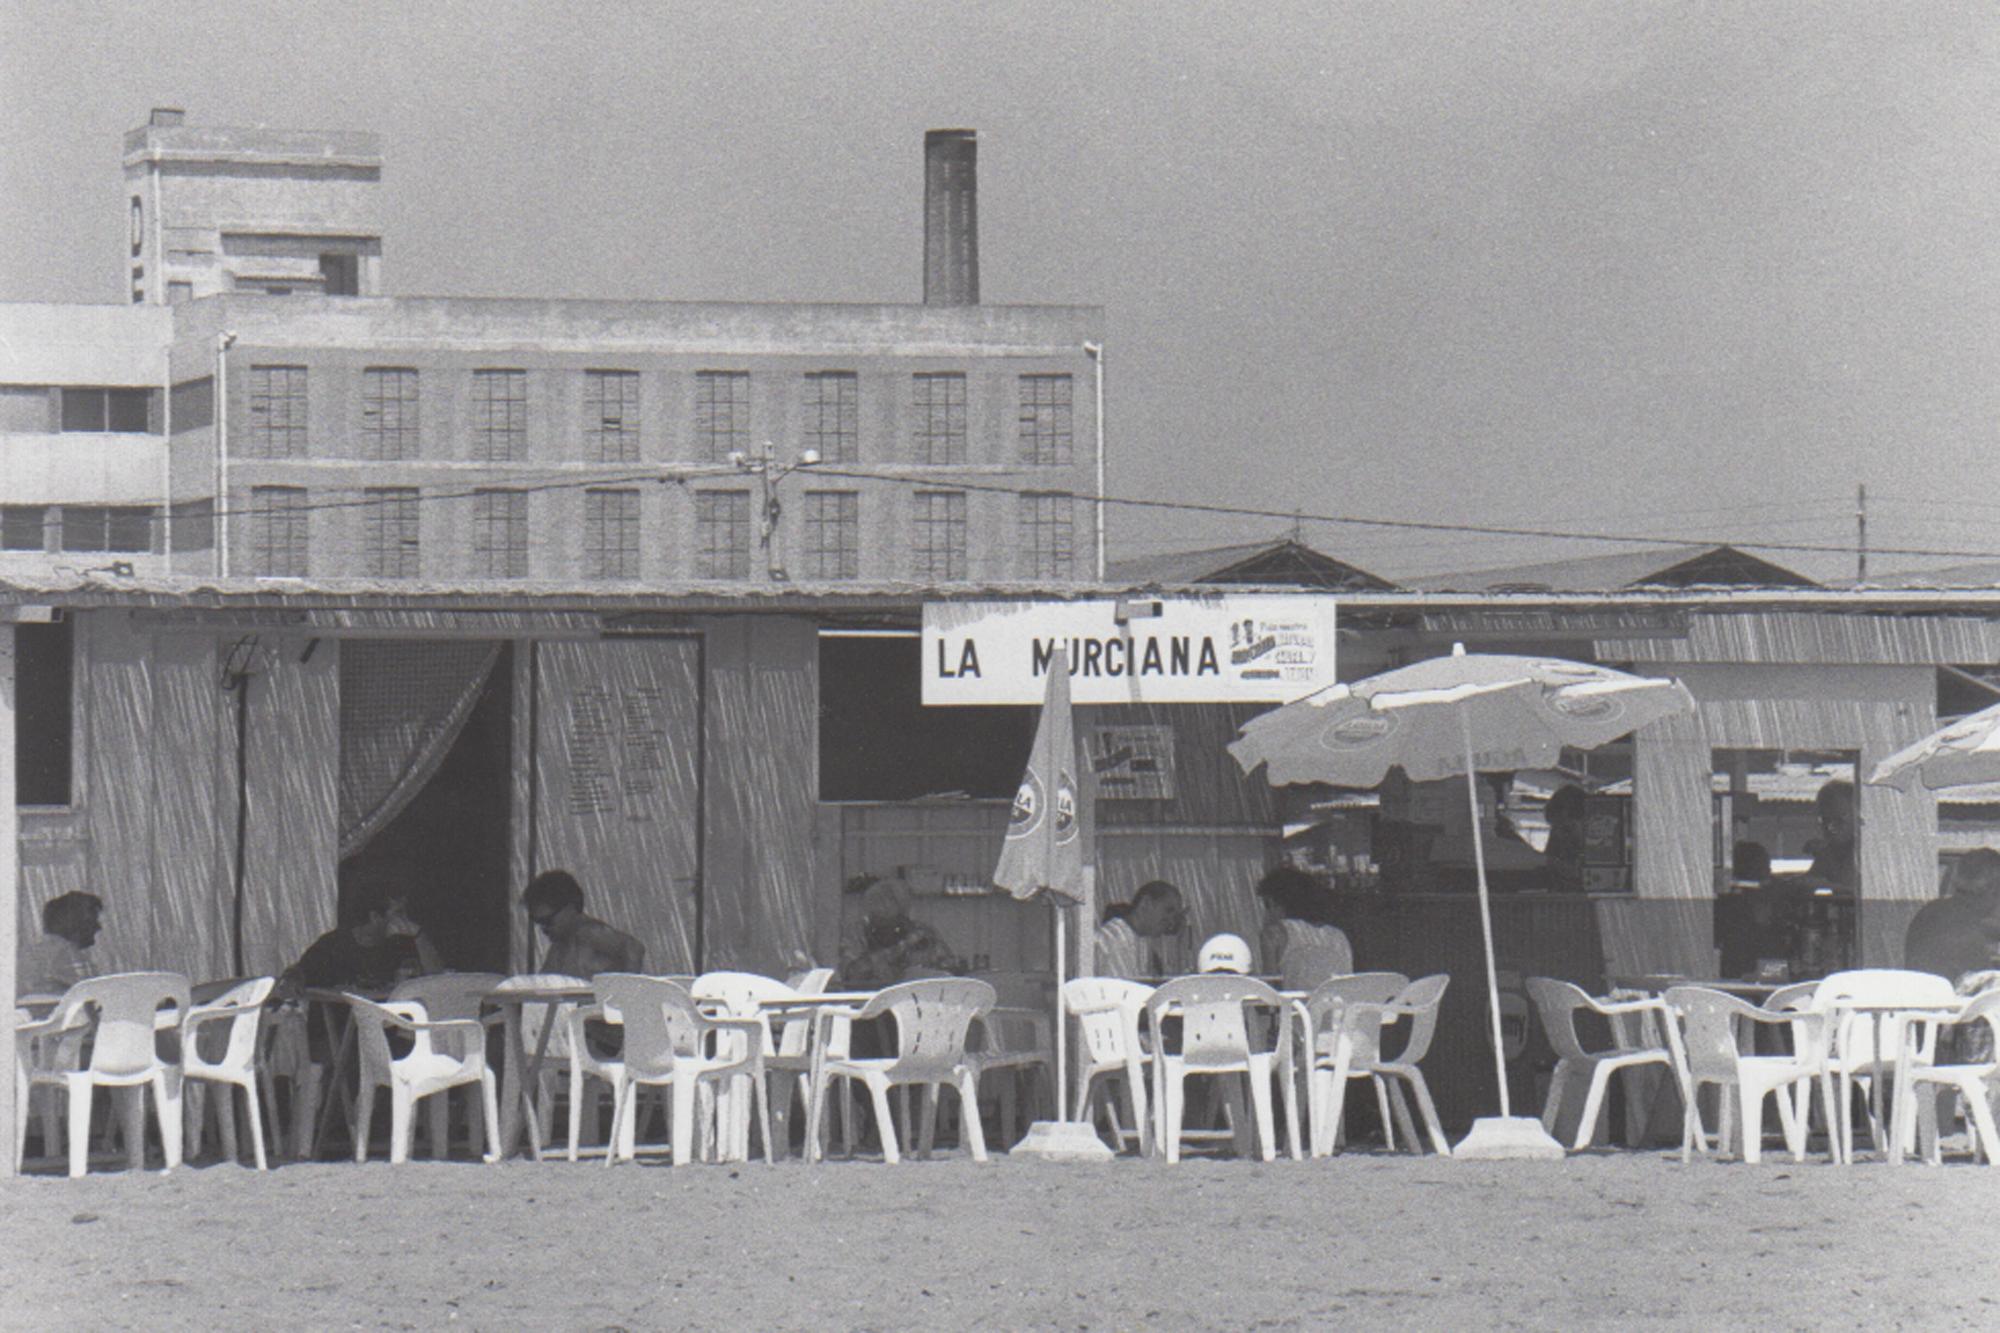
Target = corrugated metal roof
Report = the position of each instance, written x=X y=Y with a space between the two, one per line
x=1692 y=565
x=1283 y=561
x=1817 y=638
x=1985 y=574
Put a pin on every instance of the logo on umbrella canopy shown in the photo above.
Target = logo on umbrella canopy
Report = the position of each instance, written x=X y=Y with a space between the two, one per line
x=1586 y=707
x=1358 y=732
x=1026 y=816
x=1066 y=826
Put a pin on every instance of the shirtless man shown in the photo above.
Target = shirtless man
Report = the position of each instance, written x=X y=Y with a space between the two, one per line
x=579 y=945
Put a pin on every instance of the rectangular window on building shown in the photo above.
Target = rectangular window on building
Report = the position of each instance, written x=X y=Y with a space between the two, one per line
x=21 y=528
x=833 y=415
x=833 y=535
x=722 y=535
x=122 y=411
x=721 y=413
x=389 y=536
x=611 y=415
x=340 y=274
x=389 y=413
x=42 y=708
x=499 y=415
x=1048 y=543
x=500 y=534
x=1045 y=420
x=940 y=418
x=278 y=531
x=938 y=535
x=108 y=528
x=194 y=525
x=611 y=534
x=277 y=426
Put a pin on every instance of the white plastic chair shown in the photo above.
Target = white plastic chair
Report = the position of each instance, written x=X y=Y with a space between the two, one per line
x=131 y=1010
x=670 y=1043
x=545 y=1029
x=446 y=996
x=1974 y=1081
x=444 y=1054
x=1357 y=1052
x=1558 y=1003
x=37 y=1045
x=744 y=995
x=1708 y=1048
x=1852 y=1057
x=1321 y=1011
x=1107 y=1012
x=933 y=1018
x=235 y=1065
x=811 y=980
x=1016 y=1038
x=1215 y=1042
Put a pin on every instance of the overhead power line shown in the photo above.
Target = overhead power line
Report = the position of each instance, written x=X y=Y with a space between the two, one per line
x=959 y=483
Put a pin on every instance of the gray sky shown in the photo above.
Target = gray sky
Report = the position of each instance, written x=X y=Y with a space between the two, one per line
x=1671 y=269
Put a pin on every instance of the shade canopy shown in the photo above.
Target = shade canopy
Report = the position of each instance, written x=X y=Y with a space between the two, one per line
x=1959 y=755
x=1466 y=713
x=1520 y=711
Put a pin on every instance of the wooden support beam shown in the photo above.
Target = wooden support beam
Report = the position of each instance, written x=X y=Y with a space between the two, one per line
x=10 y=900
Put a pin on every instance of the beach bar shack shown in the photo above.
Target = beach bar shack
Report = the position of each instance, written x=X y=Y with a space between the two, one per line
x=715 y=763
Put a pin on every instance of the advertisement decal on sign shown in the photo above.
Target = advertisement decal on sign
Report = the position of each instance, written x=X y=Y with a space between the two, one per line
x=1267 y=649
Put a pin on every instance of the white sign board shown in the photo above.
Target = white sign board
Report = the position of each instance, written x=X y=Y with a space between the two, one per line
x=1176 y=650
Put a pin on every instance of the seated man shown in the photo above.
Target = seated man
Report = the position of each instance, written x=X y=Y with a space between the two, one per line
x=883 y=944
x=376 y=946
x=56 y=961
x=1128 y=941
x=579 y=945
x=1959 y=934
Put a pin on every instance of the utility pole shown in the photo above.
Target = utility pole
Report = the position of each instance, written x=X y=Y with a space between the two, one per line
x=769 y=472
x=1861 y=533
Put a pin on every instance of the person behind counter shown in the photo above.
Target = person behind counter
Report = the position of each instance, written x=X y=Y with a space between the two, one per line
x=1959 y=934
x=883 y=944
x=57 y=961
x=1295 y=923
x=1127 y=943
x=1833 y=850
x=1565 y=812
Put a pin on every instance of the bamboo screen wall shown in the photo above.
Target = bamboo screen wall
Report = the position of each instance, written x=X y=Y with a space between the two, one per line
x=1873 y=709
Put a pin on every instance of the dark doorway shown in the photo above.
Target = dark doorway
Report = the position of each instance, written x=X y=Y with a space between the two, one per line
x=450 y=843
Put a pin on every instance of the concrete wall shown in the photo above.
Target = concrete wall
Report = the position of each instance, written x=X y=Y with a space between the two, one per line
x=668 y=345
x=201 y=190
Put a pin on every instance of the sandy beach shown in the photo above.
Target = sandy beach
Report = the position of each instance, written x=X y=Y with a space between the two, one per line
x=1369 y=1240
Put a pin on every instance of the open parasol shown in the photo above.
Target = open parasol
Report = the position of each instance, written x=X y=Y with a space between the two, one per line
x=1466 y=713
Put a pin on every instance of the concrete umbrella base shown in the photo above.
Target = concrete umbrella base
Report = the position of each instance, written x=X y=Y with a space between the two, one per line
x=1500 y=1138
x=1062 y=1141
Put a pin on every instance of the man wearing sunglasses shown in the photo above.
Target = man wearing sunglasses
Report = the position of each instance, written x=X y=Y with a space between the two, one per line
x=579 y=945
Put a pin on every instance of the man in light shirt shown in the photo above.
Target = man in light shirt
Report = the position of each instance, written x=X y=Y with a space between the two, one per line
x=1126 y=944
x=59 y=959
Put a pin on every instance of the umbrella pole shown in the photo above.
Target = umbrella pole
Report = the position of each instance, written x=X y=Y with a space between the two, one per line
x=1062 y=1044
x=1485 y=914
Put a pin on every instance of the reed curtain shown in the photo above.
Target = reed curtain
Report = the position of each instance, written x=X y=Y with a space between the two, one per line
x=402 y=704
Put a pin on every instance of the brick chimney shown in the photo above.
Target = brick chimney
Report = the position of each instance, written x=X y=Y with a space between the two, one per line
x=951 y=217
